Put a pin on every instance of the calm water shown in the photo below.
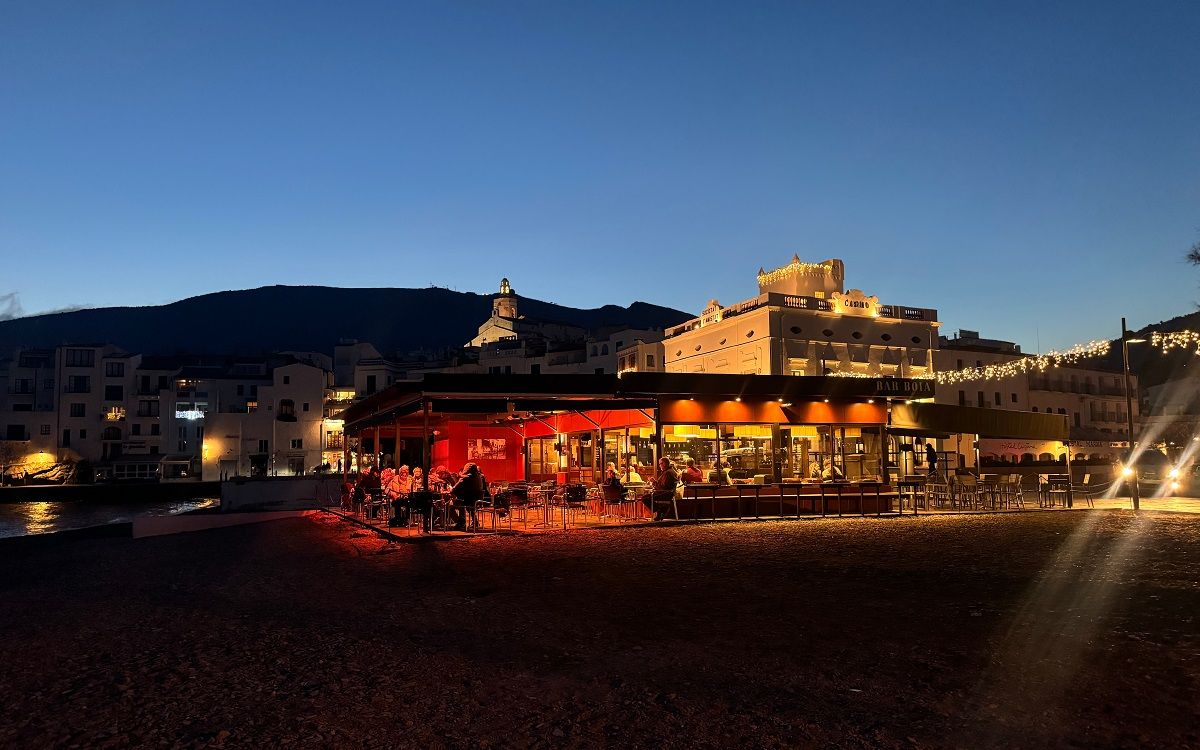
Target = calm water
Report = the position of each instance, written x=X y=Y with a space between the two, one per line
x=20 y=519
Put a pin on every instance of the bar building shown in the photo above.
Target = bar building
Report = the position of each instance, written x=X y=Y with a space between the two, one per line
x=805 y=322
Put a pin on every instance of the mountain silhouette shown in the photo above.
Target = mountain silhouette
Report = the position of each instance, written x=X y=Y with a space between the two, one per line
x=305 y=318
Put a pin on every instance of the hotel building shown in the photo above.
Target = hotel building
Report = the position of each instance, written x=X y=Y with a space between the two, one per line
x=804 y=322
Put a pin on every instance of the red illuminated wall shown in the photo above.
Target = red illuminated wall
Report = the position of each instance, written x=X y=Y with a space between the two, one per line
x=450 y=450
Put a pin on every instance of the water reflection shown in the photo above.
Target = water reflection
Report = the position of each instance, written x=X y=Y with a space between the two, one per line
x=21 y=519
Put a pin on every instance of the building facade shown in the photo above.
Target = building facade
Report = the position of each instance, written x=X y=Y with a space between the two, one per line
x=804 y=322
x=1093 y=400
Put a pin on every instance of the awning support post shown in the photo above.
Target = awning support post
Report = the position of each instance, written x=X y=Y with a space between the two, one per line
x=428 y=448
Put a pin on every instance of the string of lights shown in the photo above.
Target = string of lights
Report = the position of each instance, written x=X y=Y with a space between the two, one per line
x=1012 y=368
x=1176 y=340
x=1166 y=342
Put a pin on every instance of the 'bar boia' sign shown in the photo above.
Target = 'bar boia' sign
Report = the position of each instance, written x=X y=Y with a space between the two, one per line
x=904 y=387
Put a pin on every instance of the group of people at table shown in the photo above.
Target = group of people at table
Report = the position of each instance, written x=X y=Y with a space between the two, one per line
x=455 y=493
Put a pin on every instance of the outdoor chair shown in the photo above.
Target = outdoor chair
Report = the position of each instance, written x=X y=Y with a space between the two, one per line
x=1086 y=490
x=611 y=501
x=965 y=491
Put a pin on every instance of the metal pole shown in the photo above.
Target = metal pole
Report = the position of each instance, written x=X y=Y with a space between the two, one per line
x=428 y=450
x=1129 y=416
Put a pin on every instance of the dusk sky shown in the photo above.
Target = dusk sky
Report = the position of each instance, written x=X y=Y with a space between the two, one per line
x=1029 y=169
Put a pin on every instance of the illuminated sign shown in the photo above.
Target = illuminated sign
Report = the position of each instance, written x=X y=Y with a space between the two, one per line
x=904 y=388
x=189 y=414
x=855 y=302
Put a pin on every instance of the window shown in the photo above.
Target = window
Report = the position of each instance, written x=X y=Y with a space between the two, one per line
x=649 y=361
x=114 y=369
x=66 y=441
x=1035 y=408
x=263 y=446
x=1076 y=419
x=241 y=390
x=1062 y=411
x=79 y=384
x=78 y=410
x=80 y=358
x=603 y=349
x=48 y=384
x=1014 y=397
x=45 y=429
x=147 y=409
x=180 y=447
x=297 y=444
x=22 y=385
x=154 y=429
x=22 y=407
x=370 y=384
x=996 y=398
x=535 y=368
x=287 y=409
x=83 y=434
x=962 y=398
x=960 y=364
x=979 y=398
x=135 y=428
x=287 y=379
x=15 y=432
x=182 y=432
x=304 y=406
x=114 y=392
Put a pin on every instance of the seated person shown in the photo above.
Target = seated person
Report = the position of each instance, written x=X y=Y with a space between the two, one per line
x=720 y=474
x=612 y=482
x=691 y=473
x=632 y=476
x=831 y=473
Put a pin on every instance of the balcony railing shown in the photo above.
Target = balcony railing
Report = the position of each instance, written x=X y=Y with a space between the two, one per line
x=798 y=302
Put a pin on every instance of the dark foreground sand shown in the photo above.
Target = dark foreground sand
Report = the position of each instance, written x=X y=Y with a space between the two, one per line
x=936 y=632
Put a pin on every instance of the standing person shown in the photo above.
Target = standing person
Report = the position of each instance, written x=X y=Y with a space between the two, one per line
x=666 y=481
x=931 y=458
x=468 y=491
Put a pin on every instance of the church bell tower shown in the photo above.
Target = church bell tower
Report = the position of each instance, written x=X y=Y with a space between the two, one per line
x=504 y=304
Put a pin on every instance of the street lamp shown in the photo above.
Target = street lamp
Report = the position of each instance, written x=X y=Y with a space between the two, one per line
x=1131 y=466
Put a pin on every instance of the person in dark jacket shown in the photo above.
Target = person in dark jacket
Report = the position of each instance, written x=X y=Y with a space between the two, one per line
x=931 y=458
x=469 y=490
x=665 y=483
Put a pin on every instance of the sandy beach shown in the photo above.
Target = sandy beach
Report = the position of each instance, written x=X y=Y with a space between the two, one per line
x=931 y=632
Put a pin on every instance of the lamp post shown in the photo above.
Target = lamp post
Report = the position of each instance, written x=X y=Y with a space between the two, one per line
x=1132 y=465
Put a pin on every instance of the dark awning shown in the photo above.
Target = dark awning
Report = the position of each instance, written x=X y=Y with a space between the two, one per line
x=933 y=419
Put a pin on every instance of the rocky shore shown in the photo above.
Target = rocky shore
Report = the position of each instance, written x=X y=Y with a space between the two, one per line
x=1028 y=630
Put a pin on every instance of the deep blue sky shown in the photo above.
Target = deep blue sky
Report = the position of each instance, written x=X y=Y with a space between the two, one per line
x=1022 y=167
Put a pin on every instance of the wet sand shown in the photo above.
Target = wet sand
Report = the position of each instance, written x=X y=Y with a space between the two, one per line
x=1030 y=630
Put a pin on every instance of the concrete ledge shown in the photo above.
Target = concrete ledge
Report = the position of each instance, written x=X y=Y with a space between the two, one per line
x=144 y=526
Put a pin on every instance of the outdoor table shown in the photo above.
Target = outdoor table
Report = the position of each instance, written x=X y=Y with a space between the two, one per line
x=912 y=485
x=757 y=490
x=696 y=488
x=1059 y=484
x=989 y=489
x=837 y=485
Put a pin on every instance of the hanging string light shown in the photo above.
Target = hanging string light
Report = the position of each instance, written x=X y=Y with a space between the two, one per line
x=1166 y=342
x=1176 y=340
x=1015 y=367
